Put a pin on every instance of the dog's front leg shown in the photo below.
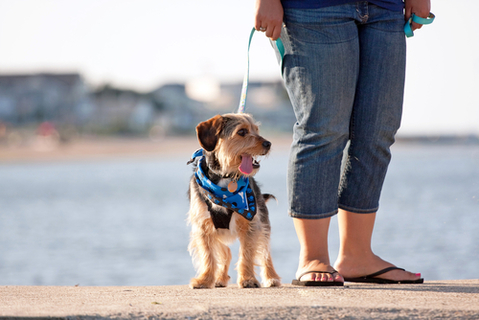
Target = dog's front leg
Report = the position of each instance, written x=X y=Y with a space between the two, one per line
x=248 y=246
x=222 y=276
x=269 y=275
x=202 y=247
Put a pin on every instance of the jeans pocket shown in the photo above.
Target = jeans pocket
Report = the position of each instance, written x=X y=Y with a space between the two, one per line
x=327 y=25
x=332 y=33
x=388 y=21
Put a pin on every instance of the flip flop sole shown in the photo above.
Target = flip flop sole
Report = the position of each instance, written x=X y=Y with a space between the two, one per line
x=383 y=281
x=317 y=283
x=311 y=283
x=372 y=278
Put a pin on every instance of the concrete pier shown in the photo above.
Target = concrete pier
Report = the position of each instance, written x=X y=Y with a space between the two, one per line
x=433 y=299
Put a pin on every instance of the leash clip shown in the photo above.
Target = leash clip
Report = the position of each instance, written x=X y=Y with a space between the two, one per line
x=407 y=27
x=196 y=154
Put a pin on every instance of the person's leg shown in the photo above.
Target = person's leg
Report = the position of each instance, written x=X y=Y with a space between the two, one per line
x=314 y=254
x=356 y=258
x=375 y=120
x=320 y=70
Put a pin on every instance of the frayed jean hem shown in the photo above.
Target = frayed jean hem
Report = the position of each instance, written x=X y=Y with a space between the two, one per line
x=356 y=210
x=313 y=216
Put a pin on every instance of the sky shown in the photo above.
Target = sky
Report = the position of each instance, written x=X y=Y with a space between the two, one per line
x=143 y=44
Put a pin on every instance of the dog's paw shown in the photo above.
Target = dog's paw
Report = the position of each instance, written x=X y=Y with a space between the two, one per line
x=200 y=284
x=249 y=283
x=272 y=283
x=220 y=284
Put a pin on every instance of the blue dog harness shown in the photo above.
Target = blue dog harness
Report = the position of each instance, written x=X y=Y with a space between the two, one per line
x=242 y=200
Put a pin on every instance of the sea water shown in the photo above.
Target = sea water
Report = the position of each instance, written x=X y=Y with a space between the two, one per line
x=122 y=221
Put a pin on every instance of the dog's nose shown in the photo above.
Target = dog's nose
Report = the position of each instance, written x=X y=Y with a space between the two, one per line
x=266 y=144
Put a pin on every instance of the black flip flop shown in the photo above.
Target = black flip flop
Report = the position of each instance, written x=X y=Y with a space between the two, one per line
x=311 y=283
x=371 y=278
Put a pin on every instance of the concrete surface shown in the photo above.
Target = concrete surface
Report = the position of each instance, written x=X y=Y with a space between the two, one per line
x=431 y=300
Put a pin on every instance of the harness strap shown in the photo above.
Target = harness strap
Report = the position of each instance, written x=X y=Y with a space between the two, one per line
x=242 y=200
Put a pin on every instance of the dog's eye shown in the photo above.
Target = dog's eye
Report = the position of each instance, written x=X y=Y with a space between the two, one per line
x=242 y=132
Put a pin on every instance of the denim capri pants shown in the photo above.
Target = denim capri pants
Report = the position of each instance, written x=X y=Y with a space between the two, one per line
x=344 y=70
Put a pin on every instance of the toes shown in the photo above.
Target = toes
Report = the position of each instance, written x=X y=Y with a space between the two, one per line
x=337 y=277
x=322 y=277
x=332 y=277
x=325 y=277
x=399 y=275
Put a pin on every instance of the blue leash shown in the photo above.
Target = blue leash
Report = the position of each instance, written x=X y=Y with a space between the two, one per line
x=244 y=89
x=279 y=45
x=407 y=28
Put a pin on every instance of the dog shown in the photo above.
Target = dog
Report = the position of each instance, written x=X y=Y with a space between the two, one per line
x=226 y=203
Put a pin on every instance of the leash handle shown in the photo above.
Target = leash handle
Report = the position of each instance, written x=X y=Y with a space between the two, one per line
x=244 y=89
x=407 y=27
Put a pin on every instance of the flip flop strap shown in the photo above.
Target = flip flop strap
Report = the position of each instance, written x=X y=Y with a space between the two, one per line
x=372 y=275
x=308 y=272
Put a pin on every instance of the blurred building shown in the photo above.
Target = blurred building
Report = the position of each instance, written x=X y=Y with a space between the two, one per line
x=119 y=111
x=31 y=98
x=65 y=100
x=267 y=101
x=180 y=113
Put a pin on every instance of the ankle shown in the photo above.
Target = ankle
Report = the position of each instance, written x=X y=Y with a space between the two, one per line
x=314 y=265
x=356 y=254
x=351 y=261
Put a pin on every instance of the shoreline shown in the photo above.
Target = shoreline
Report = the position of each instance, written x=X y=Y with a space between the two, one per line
x=93 y=148
x=433 y=299
x=108 y=147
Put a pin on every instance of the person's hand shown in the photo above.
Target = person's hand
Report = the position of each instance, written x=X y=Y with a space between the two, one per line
x=420 y=8
x=269 y=17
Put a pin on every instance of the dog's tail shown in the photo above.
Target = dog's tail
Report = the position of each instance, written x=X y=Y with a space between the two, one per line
x=267 y=196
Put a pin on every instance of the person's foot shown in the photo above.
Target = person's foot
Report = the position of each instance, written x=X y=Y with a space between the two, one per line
x=362 y=266
x=330 y=276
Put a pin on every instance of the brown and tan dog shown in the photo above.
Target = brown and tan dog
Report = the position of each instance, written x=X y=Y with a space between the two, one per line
x=227 y=164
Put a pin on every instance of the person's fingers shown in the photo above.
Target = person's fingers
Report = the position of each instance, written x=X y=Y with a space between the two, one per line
x=269 y=17
x=276 y=33
x=257 y=25
x=415 y=26
x=272 y=31
x=420 y=8
x=269 y=31
x=407 y=13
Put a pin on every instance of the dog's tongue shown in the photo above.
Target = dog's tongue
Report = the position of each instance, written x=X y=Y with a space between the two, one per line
x=246 y=166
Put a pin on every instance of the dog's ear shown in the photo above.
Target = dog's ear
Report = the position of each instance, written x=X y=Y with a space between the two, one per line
x=208 y=132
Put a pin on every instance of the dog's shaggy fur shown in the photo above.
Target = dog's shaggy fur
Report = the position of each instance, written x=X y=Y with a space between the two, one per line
x=226 y=139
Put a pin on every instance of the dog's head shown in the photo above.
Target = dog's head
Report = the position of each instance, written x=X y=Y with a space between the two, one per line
x=234 y=142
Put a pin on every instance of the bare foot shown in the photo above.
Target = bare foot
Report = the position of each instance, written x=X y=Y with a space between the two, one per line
x=314 y=256
x=316 y=265
x=356 y=258
x=365 y=265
